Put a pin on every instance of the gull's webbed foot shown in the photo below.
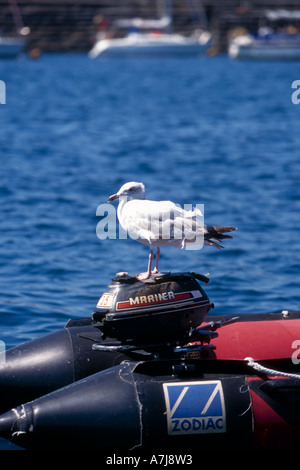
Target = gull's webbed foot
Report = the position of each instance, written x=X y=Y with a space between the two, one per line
x=143 y=276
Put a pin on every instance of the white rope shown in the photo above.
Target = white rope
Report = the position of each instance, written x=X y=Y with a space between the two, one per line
x=268 y=371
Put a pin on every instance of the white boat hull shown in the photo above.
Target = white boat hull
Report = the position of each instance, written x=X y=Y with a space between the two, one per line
x=245 y=48
x=10 y=47
x=143 y=45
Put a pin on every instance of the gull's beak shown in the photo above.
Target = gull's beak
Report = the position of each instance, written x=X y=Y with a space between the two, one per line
x=113 y=197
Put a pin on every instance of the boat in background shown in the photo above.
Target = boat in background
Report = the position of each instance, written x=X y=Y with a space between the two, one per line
x=150 y=37
x=279 y=39
x=151 y=44
x=266 y=45
x=13 y=46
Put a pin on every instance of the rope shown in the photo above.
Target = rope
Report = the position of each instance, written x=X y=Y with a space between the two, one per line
x=267 y=371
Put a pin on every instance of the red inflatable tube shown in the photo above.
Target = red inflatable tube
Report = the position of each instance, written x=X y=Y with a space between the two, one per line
x=274 y=429
x=264 y=336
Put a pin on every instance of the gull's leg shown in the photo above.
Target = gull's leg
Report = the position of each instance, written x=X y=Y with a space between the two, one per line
x=155 y=270
x=143 y=276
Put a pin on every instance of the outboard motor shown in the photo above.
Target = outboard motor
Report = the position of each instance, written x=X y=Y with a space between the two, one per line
x=159 y=317
x=165 y=307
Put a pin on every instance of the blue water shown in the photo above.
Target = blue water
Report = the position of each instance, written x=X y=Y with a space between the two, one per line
x=206 y=130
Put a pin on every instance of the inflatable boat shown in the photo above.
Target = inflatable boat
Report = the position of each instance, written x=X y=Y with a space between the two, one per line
x=153 y=370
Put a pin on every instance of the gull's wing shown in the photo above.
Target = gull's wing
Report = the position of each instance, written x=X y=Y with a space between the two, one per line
x=159 y=220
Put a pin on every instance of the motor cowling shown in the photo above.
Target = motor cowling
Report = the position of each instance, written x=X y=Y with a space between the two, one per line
x=164 y=307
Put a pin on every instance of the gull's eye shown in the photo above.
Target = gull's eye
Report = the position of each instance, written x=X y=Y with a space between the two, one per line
x=130 y=189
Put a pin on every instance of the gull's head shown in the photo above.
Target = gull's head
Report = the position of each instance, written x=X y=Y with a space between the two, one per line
x=130 y=190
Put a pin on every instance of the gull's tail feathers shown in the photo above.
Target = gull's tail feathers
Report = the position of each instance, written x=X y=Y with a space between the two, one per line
x=216 y=233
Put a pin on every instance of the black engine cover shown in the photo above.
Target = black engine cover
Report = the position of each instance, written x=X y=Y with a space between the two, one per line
x=165 y=306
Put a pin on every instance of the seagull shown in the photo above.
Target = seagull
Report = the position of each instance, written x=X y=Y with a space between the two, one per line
x=162 y=223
